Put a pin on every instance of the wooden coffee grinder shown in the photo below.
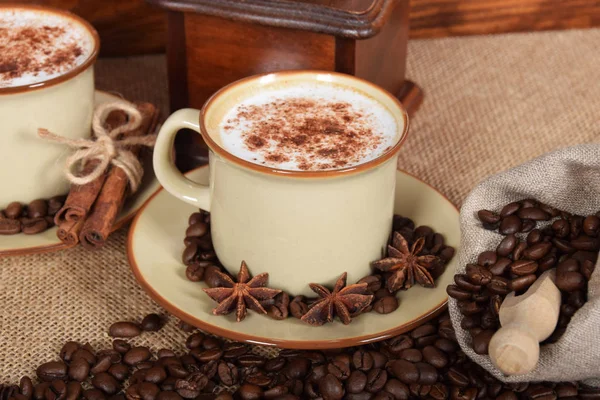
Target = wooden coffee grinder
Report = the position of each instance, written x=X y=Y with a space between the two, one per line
x=213 y=43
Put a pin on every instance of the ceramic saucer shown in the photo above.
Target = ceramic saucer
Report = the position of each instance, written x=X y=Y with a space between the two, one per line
x=47 y=241
x=155 y=245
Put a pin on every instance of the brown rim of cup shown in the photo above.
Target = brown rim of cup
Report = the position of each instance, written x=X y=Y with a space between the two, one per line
x=213 y=146
x=70 y=74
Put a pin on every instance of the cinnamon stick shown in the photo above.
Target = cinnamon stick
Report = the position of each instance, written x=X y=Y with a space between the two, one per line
x=81 y=197
x=68 y=232
x=103 y=215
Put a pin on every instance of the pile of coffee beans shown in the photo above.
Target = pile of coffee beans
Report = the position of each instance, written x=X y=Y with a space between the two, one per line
x=569 y=243
x=30 y=219
x=425 y=363
x=202 y=262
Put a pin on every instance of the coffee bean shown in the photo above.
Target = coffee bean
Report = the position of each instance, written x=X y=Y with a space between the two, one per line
x=165 y=353
x=9 y=226
x=487 y=258
x=74 y=391
x=26 y=387
x=155 y=374
x=404 y=370
x=439 y=391
x=507 y=245
x=192 y=386
x=197 y=230
x=386 y=305
x=399 y=343
x=151 y=323
x=397 y=389
x=501 y=266
x=423 y=330
x=93 y=394
x=457 y=293
x=470 y=307
x=563 y=245
x=14 y=210
x=570 y=281
x=462 y=281
x=102 y=365
x=510 y=209
x=420 y=391
x=67 y=351
x=228 y=373
x=517 y=253
x=33 y=226
x=376 y=379
x=482 y=341
x=412 y=355
x=533 y=213
x=478 y=274
x=297 y=368
x=275 y=392
x=523 y=267
x=168 y=395
x=37 y=209
x=121 y=346
x=39 y=391
x=499 y=285
x=428 y=375
x=435 y=357
x=210 y=343
x=357 y=382
x=137 y=355
x=537 y=251
x=511 y=224
x=52 y=370
x=124 y=329
x=339 y=369
x=447 y=253
x=56 y=391
x=463 y=394
x=119 y=371
x=457 y=377
x=275 y=364
x=207 y=355
x=586 y=243
x=489 y=217
x=591 y=225
x=106 y=383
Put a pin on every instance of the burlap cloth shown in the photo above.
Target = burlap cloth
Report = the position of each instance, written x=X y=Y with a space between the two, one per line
x=492 y=103
x=568 y=179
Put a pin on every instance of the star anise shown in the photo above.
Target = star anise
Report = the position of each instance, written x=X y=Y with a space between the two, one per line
x=344 y=301
x=241 y=295
x=406 y=265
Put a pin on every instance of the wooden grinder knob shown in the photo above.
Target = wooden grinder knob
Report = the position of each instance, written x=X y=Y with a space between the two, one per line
x=526 y=321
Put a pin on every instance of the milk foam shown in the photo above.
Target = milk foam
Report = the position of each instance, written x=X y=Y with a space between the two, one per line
x=44 y=58
x=364 y=126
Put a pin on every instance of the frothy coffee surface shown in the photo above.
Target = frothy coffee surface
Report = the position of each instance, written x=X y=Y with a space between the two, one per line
x=36 y=46
x=308 y=127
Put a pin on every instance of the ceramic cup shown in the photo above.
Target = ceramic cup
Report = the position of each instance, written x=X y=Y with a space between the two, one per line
x=32 y=168
x=299 y=226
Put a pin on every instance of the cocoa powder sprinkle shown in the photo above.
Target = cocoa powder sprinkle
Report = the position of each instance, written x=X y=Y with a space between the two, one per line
x=35 y=49
x=316 y=134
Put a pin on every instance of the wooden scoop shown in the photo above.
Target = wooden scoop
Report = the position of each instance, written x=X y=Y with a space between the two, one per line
x=526 y=321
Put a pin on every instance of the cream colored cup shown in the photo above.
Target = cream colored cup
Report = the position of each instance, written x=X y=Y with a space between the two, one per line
x=31 y=168
x=300 y=226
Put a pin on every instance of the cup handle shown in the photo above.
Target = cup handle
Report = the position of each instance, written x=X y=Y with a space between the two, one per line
x=168 y=175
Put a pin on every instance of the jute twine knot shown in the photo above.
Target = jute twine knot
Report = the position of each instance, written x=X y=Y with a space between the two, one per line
x=108 y=148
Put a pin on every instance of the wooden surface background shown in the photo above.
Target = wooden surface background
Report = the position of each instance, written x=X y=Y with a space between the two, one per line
x=134 y=27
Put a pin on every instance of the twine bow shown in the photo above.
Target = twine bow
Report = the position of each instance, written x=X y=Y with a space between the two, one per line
x=108 y=148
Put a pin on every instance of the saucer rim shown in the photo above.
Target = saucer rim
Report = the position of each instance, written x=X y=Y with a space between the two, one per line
x=59 y=245
x=265 y=341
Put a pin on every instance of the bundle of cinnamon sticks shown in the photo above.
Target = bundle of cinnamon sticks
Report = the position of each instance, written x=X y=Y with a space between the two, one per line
x=90 y=210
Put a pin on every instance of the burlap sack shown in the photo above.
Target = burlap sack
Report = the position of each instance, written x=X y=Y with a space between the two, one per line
x=567 y=179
